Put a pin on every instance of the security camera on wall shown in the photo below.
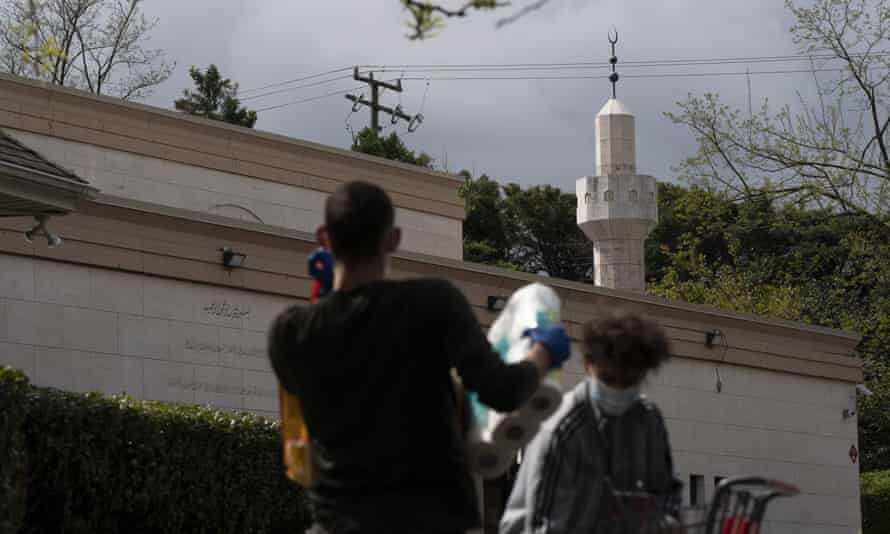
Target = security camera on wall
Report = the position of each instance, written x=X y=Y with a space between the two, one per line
x=40 y=229
x=863 y=391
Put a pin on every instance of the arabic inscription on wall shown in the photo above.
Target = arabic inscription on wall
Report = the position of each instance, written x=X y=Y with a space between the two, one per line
x=224 y=308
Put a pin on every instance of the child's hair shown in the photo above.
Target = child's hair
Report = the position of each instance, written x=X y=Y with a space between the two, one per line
x=625 y=341
x=356 y=216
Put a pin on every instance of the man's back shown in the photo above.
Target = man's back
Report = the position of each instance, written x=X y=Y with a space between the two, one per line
x=371 y=367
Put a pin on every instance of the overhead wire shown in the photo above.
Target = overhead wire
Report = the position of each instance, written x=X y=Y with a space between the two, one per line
x=508 y=67
x=319 y=97
x=626 y=76
x=483 y=67
x=289 y=89
x=311 y=99
x=494 y=68
x=295 y=80
x=588 y=64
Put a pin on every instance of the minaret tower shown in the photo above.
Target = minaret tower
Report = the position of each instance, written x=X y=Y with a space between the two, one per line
x=617 y=207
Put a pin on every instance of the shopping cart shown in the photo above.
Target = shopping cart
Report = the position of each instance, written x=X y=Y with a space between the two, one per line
x=739 y=504
x=738 y=507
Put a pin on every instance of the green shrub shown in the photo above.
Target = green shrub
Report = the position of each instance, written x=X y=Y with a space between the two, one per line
x=13 y=389
x=875 y=487
x=96 y=463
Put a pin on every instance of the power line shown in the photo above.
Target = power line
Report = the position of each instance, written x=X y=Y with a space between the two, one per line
x=639 y=63
x=580 y=66
x=497 y=67
x=319 y=97
x=481 y=67
x=597 y=77
x=295 y=80
x=556 y=66
x=289 y=89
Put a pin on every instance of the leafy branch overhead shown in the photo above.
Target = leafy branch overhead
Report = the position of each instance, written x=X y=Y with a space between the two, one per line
x=215 y=98
x=94 y=45
x=426 y=17
x=831 y=151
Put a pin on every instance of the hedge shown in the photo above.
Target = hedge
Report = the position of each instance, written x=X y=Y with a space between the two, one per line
x=13 y=387
x=875 y=491
x=80 y=463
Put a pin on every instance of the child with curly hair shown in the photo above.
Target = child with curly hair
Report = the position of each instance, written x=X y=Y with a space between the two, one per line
x=592 y=463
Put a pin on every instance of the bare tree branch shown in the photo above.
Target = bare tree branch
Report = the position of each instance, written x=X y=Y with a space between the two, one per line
x=95 y=45
x=521 y=13
x=830 y=152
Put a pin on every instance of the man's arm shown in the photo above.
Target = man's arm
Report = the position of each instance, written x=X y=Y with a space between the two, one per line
x=280 y=337
x=501 y=386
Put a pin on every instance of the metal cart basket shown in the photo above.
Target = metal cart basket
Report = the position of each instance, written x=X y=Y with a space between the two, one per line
x=738 y=507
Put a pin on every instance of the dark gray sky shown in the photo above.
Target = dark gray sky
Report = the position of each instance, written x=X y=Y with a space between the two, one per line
x=531 y=132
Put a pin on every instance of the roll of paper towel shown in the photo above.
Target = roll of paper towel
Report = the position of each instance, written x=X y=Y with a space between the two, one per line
x=490 y=460
x=515 y=430
x=545 y=401
x=497 y=437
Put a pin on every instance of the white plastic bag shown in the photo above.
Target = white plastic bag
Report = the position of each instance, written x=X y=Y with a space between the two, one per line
x=496 y=437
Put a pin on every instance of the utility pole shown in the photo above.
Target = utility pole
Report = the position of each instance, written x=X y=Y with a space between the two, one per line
x=375 y=106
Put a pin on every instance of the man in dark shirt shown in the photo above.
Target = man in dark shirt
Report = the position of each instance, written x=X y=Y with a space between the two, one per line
x=372 y=364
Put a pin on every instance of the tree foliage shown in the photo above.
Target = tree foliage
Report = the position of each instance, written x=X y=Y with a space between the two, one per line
x=832 y=152
x=215 y=98
x=875 y=491
x=779 y=260
x=367 y=141
x=543 y=233
x=793 y=218
x=531 y=229
x=94 y=45
x=484 y=228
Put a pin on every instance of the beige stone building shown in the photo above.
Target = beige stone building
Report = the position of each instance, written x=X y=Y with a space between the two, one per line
x=137 y=299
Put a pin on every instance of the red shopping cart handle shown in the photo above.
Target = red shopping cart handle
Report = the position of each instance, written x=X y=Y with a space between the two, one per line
x=734 y=525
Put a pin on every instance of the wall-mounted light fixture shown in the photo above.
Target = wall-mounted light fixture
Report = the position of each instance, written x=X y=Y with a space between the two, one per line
x=711 y=336
x=232 y=259
x=496 y=303
x=39 y=229
x=859 y=391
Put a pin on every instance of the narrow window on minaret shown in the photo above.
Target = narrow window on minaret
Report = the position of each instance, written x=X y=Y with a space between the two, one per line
x=609 y=196
x=633 y=195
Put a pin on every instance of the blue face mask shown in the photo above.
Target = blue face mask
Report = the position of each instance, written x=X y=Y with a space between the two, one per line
x=612 y=401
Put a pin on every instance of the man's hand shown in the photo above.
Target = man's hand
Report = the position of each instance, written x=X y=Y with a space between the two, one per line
x=553 y=342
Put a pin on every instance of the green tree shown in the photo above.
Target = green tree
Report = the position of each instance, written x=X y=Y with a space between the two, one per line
x=775 y=259
x=215 y=98
x=484 y=228
x=93 y=45
x=531 y=229
x=829 y=264
x=543 y=233
x=367 y=141
x=833 y=152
